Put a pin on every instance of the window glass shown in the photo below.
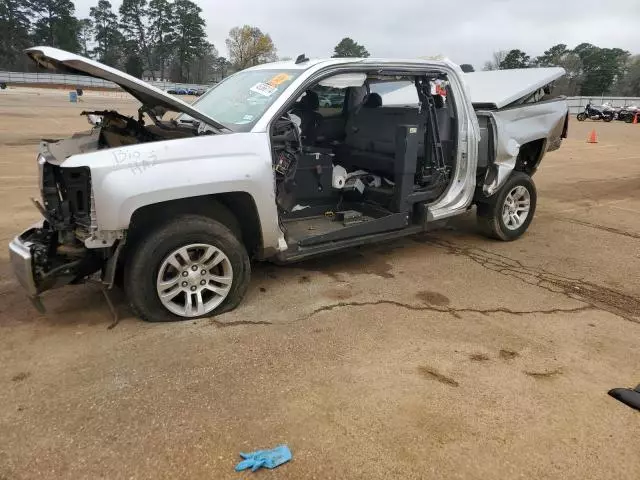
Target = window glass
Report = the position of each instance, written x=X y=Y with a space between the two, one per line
x=396 y=93
x=239 y=101
x=331 y=100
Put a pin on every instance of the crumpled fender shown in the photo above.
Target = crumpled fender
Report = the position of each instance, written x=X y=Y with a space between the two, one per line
x=516 y=126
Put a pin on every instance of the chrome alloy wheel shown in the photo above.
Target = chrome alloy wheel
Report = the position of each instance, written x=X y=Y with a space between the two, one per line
x=515 y=209
x=193 y=280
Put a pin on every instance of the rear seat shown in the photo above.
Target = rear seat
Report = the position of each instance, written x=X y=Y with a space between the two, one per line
x=370 y=142
x=371 y=137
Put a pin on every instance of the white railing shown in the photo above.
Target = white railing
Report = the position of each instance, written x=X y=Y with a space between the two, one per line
x=79 y=81
x=577 y=104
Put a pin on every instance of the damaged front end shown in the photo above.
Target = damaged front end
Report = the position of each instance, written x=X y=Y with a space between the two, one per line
x=53 y=253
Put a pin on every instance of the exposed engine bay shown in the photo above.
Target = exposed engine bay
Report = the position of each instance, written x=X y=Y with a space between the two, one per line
x=117 y=130
x=59 y=248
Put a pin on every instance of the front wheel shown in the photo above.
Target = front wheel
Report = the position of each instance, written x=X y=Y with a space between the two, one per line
x=582 y=117
x=509 y=212
x=191 y=267
x=607 y=118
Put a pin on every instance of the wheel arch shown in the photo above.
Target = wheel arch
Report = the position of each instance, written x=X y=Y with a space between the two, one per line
x=530 y=156
x=236 y=210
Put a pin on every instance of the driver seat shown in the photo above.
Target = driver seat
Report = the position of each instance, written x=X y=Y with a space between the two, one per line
x=310 y=119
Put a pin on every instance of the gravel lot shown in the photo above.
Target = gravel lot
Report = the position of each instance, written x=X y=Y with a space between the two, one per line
x=442 y=356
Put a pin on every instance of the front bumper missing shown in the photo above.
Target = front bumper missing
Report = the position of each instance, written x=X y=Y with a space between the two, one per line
x=22 y=260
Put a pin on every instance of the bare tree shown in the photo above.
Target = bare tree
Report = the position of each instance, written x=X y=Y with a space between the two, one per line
x=248 y=46
x=497 y=58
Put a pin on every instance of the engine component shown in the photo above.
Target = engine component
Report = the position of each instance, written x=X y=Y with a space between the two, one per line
x=285 y=160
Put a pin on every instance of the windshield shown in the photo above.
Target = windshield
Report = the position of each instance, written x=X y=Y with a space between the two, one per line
x=239 y=101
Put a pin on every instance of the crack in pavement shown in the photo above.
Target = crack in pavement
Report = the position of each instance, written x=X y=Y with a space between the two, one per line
x=597 y=296
x=220 y=324
x=616 y=231
x=450 y=310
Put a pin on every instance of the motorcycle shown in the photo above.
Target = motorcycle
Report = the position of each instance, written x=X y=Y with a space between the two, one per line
x=628 y=113
x=593 y=113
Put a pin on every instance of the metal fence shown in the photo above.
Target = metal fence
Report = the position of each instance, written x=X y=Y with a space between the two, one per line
x=82 y=81
x=577 y=104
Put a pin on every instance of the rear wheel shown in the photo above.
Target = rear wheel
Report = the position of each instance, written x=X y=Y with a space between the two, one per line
x=508 y=214
x=581 y=117
x=189 y=268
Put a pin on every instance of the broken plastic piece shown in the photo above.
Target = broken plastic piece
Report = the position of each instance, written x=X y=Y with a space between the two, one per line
x=264 y=458
x=629 y=397
x=297 y=208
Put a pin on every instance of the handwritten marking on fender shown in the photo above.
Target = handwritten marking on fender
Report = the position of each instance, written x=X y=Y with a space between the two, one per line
x=136 y=161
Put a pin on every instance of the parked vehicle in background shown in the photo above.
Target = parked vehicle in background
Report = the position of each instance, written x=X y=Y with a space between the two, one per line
x=255 y=170
x=178 y=91
x=596 y=113
x=199 y=92
x=627 y=113
x=331 y=100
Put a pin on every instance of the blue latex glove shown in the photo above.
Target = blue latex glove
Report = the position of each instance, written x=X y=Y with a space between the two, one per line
x=264 y=458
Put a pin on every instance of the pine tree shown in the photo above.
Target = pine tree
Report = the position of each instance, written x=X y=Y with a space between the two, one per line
x=85 y=33
x=190 y=37
x=109 y=40
x=161 y=33
x=134 y=27
x=14 y=33
x=55 y=25
x=348 y=48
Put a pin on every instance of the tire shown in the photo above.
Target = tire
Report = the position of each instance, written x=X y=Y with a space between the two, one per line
x=628 y=119
x=152 y=262
x=607 y=118
x=491 y=214
x=581 y=117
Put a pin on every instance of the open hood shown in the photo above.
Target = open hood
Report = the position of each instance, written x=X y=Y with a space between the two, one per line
x=499 y=88
x=150 y=96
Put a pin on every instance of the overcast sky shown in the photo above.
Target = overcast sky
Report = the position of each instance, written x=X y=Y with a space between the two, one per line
x=466 y=31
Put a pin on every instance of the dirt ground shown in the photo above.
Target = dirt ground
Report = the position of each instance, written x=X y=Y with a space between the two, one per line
x=441 y=356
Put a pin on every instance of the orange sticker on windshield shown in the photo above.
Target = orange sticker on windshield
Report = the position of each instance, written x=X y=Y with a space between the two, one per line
x=278 y=79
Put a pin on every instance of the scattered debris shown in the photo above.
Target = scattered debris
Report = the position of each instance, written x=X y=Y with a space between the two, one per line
x=478 y=357
x=264 y=458
x=430 y=373
x=508 y=354
x=432 y=298
x=545 y=374
x=20 y=377
x=630 y=398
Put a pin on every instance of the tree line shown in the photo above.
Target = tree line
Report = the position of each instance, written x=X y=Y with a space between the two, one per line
x=160 y=39
x=591 y=70
x=166 y=39
x=157 y=39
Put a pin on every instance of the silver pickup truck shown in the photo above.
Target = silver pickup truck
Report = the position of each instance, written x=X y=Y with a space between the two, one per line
x=279 y=162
